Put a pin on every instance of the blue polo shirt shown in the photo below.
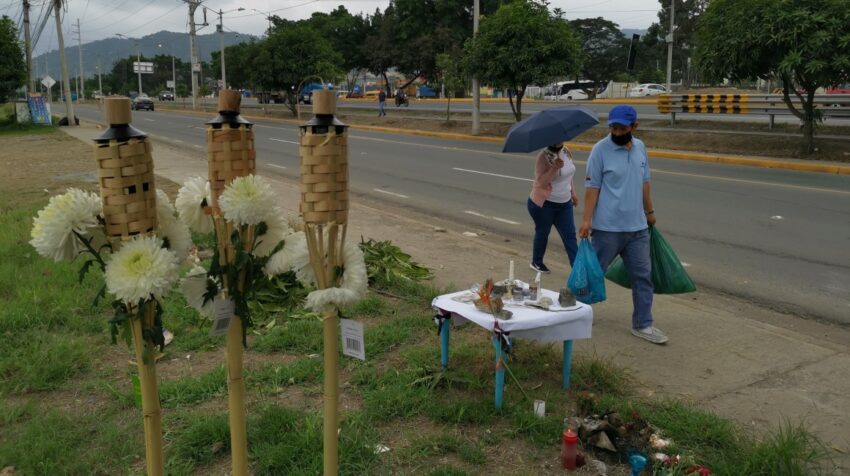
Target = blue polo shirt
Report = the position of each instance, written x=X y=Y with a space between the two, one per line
x=619 y=174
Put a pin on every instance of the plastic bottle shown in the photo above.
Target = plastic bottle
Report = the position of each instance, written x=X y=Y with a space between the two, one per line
x=534 y=288
x=569 y=449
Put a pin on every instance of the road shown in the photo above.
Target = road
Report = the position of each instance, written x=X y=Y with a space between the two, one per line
x=775 y=237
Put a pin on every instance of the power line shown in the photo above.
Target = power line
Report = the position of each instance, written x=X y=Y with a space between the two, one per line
x=153 y=20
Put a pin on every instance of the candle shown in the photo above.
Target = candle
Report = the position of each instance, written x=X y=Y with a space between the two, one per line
x=511 y=271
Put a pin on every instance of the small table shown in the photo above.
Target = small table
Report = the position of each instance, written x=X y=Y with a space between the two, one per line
x=555 y=325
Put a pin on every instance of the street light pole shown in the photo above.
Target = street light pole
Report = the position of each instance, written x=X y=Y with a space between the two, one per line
x=476 y=87
x=670 y=44
x=221 y=47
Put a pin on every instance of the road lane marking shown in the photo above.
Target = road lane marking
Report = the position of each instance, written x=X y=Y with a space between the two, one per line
x=390 y=193
x=481 y=215
x=177 y=140
x=196 y=145
x=753 y=182
x=287 y=141
x=494 y=175
x=276 y=166
x=149 y=120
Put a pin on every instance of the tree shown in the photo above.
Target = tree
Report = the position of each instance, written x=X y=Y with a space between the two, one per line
x=378 y=52
x=292 y=54
x=688 y=14
x=803 y=43
x=522 y=44
x=451 y=78
x=604 y=50
x=239 y=60
x=13 y=68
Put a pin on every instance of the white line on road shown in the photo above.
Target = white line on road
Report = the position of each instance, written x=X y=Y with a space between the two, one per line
x=481 y=215
x=149 y=120
x=494 y=175
x=390 y=193
x=177 y=140
x=196 y=145
x=276 y=166
x=281 y=140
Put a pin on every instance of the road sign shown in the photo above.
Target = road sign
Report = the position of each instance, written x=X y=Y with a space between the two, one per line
x=169 y=84
x=196 y=67
x=48 y=82
x=144 y=67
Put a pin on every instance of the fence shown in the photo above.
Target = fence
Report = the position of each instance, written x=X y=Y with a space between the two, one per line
x=830 y=105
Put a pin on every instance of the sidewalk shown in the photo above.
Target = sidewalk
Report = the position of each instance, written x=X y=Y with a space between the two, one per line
x=752 y=365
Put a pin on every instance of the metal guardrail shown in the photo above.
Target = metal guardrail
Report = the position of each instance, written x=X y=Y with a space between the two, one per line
x=830 y=105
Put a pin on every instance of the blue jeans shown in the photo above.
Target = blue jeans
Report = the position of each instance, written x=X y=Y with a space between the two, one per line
x=551 y=213
x=634 y=248
x=381 y=109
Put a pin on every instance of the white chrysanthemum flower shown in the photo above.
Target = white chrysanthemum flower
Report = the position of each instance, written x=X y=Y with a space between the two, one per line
x=247 y=201
x=170 y=229
x=294 y=256
x=141 y=269
x=352 y=287
x=54 y=226
x=194 y=286
x=191 y=200
x=278 y=230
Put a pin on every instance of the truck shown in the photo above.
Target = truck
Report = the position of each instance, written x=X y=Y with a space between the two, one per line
x=279 y=97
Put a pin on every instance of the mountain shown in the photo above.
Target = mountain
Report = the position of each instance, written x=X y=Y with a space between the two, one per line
x=105 y=52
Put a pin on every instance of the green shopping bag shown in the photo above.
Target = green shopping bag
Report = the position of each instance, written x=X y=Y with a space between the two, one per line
x=668 y=274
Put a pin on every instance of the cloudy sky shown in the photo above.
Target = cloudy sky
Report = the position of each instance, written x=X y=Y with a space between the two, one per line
x=135 y=18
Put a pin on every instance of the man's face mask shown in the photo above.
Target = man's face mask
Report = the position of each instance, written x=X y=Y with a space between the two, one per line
x=622 y=139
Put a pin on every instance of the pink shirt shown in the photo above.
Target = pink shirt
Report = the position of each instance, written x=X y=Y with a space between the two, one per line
x=544 y=172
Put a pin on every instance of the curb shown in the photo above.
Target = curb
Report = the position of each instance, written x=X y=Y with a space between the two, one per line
x=660 y=153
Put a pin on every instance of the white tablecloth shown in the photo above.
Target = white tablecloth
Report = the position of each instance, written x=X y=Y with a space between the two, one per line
x=556 y=325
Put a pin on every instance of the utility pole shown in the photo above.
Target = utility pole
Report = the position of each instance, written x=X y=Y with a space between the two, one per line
x=82 y=88
x=66 y=83
x=220 y=28
x=670 y=44
x=193 y=54
x=476 y=88
x=28 y=42
x=139 y=67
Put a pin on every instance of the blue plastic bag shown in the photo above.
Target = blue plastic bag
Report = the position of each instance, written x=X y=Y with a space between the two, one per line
x=587 y=281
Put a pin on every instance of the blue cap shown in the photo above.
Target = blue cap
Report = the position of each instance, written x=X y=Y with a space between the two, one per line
x=623 y=115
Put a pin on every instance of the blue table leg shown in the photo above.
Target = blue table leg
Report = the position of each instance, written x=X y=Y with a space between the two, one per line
x=445 y=324
x=500 y=370
x=568 y=362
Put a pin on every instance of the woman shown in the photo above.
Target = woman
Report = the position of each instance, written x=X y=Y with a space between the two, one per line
x=552 y=201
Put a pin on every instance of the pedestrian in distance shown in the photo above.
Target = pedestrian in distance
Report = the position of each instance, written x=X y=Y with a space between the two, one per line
x=551 y=203
x=618 y=212
x=382 y=101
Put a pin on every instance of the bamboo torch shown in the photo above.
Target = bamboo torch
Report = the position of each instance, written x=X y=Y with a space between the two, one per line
x=231 y=154
x=324 y=206
x=128 y=192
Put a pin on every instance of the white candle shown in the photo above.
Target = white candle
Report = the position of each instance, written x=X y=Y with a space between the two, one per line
x=511 y=271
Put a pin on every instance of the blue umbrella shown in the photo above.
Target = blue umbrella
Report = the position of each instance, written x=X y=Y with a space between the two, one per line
x=550 y=126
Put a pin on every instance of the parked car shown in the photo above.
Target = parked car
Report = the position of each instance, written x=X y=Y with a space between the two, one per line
x=425 y=92
x=649 y=89
x=142 y=101
x=354 y=95
x=166 y=96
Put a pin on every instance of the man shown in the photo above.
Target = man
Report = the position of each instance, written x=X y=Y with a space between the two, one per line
x=618 y=209
x=382 y=100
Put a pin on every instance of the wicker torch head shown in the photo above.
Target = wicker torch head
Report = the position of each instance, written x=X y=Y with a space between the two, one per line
x=324 y=164
x=230 y=145
x=125 y=173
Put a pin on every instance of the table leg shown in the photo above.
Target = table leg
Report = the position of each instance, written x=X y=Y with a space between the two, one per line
x=568 y=362
x=445 y=325
x=500 y=370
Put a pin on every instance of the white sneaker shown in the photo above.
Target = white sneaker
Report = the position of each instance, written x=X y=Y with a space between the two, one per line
x=651 y=334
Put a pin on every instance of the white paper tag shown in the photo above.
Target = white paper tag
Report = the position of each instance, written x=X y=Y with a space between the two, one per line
x=223 y=312
x=353 y=343
x=540 y=408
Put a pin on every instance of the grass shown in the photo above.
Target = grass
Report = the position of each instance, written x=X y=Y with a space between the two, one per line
x=67 y=405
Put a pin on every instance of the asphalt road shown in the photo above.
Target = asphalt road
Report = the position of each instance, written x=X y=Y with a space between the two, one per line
x=776 y=237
